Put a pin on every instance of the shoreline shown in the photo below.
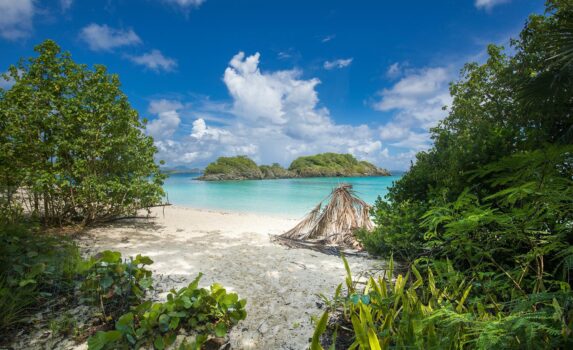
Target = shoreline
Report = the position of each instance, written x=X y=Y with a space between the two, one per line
x=281 y=284
x=204 y=178
x=235 y=212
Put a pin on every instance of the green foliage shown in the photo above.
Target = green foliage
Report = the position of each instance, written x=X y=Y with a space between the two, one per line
x=332 y=164
x=71 y=147
x=397 y=230
x=275 y=171
x=326 y=164
x=414 y=311
x=34 y=269
x=487 y=212
x=205 y=312
x=239 y=166
x=37 y=268
x=115 y=284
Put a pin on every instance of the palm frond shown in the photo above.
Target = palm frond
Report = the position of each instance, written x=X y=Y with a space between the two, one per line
x=336 y=222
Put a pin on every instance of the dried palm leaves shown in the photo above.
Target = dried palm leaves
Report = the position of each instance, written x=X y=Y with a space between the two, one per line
x=336 y=223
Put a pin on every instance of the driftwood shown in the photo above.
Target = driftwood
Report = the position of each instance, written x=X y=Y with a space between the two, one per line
x=317 y=245
x=336 y=223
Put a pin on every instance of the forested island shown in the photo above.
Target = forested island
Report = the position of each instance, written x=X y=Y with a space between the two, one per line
x=319 y=165
x=471 y=249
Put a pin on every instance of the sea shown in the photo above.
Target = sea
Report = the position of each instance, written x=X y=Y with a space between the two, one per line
x=290 y=198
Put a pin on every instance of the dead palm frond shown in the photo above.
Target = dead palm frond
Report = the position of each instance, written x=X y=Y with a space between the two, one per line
x=336 y=223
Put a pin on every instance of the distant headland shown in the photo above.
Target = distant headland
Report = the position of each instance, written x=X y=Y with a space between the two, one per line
x=319 y=165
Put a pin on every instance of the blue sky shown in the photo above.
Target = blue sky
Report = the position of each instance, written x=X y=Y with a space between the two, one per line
x=274 y=79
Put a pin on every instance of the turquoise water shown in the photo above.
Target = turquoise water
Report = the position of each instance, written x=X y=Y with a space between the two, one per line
x=284 y=197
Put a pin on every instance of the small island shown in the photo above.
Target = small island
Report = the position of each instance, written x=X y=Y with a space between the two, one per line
x=319 y=165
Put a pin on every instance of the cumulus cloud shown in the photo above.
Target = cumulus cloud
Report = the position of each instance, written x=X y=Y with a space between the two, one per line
x=104 y=38
x=488 y=4
x=394 y=70
x=416 y=102
x=200 y=131
x=154 y=60
x=66 y=4
x=185 y=4
x=167 y=120
x=328 y=38
x=338 y=64
x=16 y=18
x=275 y=117
x=418 y=97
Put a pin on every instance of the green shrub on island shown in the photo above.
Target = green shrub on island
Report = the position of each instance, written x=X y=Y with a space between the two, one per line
x=203 y=312
x=232 y=168
x=72 y=149
x=333 y=164
x=320 y=165
x=275 y=171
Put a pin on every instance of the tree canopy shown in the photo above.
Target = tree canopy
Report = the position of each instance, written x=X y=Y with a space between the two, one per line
x=486 y=213
x=72 y=149
x=333 y=164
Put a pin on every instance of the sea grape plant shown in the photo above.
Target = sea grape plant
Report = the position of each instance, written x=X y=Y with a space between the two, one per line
x=115 y=284
x=72 y=149
x=203 y=312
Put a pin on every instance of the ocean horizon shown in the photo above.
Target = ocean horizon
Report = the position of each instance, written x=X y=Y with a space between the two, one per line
x=292 y=198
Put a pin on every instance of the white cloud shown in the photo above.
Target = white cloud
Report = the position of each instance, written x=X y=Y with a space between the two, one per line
x=104 y=38
x=275 y=117
x=155 y=60
x=418 y=97
x=328 y=38
x=66 y=4
x=167 y=121
x=200 y=131
x=488 y=4
x=416 y=102
x=417 y=141
x=338 y=64
x=186 y=3
x=394 y=70
x=16 y=18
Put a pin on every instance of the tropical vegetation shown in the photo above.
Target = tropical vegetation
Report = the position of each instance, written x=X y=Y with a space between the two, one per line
x=481 y=224
x=72 y=150
x=74 y=153
x=232 y=168
x=319 y=165
x=334 y=164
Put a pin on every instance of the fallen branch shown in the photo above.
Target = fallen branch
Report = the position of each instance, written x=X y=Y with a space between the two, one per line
x=319 y=245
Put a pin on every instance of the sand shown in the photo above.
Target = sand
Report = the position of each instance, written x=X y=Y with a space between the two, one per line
x=281 y=285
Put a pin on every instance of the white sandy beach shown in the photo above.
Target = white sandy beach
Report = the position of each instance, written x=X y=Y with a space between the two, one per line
x=280 y=284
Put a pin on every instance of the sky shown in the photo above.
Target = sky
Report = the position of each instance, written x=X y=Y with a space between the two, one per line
x=274 y=80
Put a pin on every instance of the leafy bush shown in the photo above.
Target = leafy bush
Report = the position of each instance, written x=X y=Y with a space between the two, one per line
x=114 y=284
x=34 y=268
x=414 y=311
x=275 y=171
x=332 y=164
x=71 y=147
x=238 y=166
x=397 y=230
x=37 y=268
x=205 y=312
x=490 y=205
